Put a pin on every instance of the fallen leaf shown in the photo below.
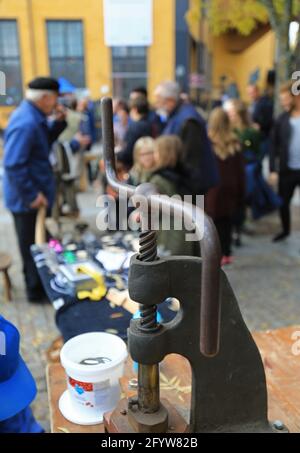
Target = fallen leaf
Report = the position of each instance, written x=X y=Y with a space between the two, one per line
x=164 y=378
x=64 y=430
x=116 y=315
x=112 y=331
x=173 y=380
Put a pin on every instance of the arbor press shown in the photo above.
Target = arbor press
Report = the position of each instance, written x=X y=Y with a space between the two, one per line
x=229 y=391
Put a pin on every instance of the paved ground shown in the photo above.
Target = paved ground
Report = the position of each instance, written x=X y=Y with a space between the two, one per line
x=265 y=278
x=35 y=322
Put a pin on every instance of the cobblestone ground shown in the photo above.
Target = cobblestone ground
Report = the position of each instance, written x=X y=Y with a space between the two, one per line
x=264 y=276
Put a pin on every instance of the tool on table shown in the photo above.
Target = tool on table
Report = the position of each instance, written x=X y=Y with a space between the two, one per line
x=96 y=293
x=229 y=391
x=69 y=257
x=40 y=227
x=83 y=276
x=55 y=245
x=117 y=279
x=122 y=299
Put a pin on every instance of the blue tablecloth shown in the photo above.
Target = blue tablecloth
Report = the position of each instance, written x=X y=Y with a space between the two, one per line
x=74 y=317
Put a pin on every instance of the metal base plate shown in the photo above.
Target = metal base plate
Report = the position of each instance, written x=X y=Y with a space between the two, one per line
x=117 y=421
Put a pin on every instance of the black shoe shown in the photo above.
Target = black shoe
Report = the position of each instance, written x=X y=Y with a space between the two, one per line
x=238 y=242
x=38 y=297
x=39 y=301
x=248 y=230
x=281 y=237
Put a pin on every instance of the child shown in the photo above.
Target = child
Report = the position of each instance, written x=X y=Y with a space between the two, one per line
x=223 y=201
x=143 y=154
x=168 y=178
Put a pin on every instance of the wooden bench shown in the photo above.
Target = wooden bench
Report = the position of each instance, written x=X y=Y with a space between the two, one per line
x=5 y=263
x=282 y=371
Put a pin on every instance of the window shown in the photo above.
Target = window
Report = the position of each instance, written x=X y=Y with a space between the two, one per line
x=10 y=62
x=66 y=54
x=129 y=69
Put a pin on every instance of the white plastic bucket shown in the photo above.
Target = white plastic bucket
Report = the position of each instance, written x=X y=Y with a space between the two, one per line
x=93 y=389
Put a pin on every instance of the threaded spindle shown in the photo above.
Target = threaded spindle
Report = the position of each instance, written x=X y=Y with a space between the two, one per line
x=148 y=246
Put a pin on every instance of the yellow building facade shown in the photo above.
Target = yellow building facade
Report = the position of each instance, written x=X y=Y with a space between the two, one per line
x=228 y=55
x=231 y=55
x=237 y=64
x=32 y=16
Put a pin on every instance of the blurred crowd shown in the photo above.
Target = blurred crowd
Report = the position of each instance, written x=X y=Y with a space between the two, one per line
x=171 y=145
x=168 y=144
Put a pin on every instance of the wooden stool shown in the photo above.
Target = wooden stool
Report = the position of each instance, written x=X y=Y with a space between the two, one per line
x=5 y=263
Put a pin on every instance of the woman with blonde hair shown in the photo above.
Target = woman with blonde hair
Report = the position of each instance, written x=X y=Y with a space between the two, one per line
x=143 y=158
x=249 y=136
x=169 y=179
x=166 y=175
x=222 y=135
x=168 y=151
x=251 y=147
x=238 y=114
x=222 y=202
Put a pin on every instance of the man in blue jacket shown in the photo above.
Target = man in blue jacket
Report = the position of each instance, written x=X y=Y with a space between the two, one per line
x=184 y=121
x=28 y=176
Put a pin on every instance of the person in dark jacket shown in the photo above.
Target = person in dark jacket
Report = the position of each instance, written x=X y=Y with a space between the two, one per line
x=157 y=124
x=185 y=122
x=259 y=195
x=261 y=110
x=223 y=201
x=286 y=97
x=262 y=115
x=250 y=139
x=139 y=127
x=28 y=178
x=285 y=158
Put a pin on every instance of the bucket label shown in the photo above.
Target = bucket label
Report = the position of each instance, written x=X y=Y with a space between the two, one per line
x=93 y=395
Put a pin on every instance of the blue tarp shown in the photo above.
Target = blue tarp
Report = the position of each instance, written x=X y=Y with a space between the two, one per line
x=65 y=86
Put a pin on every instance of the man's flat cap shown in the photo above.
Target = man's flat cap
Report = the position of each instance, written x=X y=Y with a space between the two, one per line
x=44 y=83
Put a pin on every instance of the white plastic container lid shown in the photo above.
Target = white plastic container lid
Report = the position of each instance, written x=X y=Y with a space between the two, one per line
x=93 y=344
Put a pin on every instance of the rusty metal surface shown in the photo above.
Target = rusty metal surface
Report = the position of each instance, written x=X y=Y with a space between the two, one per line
x=148 y=375
x=229 y=391
x=144 y=422
x=148 y=389
x=117 y=421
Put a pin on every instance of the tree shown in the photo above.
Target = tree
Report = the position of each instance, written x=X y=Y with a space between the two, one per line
x=281 y=13
x=244 y=15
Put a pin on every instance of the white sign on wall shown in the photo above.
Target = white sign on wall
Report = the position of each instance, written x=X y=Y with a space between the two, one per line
x=128 y=22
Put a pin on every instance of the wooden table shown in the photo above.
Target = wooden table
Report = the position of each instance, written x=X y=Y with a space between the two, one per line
x=282 y=368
